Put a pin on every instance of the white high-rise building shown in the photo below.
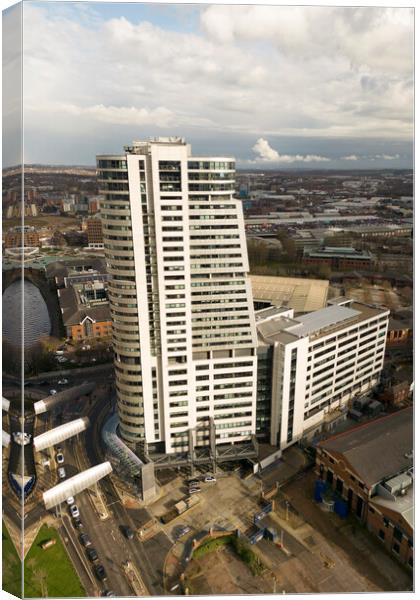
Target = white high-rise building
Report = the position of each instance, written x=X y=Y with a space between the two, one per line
x=183 y=325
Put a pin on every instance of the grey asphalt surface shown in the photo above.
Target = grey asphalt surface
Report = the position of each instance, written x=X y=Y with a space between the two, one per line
x=106 y=536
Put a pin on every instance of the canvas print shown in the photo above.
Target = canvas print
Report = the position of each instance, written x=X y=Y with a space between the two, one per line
x=207 y=306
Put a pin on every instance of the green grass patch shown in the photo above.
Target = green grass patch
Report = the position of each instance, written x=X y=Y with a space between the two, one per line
x=212 y=545
x=240 y=545
x=50 y=572
x=11 y=566
x=245 y=553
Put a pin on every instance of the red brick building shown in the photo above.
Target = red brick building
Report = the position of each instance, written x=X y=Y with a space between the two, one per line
x=370 y=466
x=338 y=259
x=21 y=236
x=94 y=233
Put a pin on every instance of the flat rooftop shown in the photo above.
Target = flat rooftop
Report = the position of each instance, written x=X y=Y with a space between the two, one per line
x=316 y=324
x=319 y=320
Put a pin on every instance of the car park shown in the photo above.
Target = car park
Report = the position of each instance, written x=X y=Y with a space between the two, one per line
x=85 y=540
x=100 y=572
x=61 y=472
x=59 y=457
x=92 y=554
x=74 y=511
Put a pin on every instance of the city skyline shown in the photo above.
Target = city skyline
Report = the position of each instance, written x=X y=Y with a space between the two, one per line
x=274 y=95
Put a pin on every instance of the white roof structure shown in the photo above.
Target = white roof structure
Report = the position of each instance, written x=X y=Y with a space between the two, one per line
x=5 y=440
x=318 y=320
x=5 y=404
x=72 y=393
x=76 y=484
x=60 y=433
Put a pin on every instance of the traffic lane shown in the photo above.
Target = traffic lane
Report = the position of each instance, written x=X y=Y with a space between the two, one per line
x=101 y=533
x=149 y=556
x=70 y=540
x=107 y=543
x=109 y=554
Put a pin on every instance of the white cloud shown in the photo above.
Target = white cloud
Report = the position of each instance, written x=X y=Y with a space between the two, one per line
x=350 y=157
x=261 y=71
x=267 y=154
x=386 y=157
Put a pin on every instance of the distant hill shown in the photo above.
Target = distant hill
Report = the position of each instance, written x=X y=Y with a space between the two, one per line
x=53 y=169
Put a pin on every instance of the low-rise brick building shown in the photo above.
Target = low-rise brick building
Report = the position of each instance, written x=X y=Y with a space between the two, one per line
x=25 y=236
x=371 y=466
x=340 y=259
x=85 y=311
x=399 y=332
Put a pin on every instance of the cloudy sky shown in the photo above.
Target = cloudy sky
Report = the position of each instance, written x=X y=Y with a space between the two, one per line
x=275 y=86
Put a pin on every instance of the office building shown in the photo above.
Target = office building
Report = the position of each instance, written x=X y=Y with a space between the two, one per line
x=183 y=324
x=320 y=361
x=94 y=233
x=85 y=310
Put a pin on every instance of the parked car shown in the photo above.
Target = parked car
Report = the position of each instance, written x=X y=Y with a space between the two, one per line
x=53 y=392
x=43 y=382
x=100 y=572
x=193 y=482
x=184 y=531
x=194 y=490
x=78 y=524
x=209 y=479
x=59 y=457
x=85 y=540
x=108 y=593
x=74 y=511
x=70 y=500
x=92 y=554
x=128 y=532
x=63 y=381
x=61 y=472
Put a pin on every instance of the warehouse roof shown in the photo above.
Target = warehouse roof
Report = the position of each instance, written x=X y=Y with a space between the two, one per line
x=378 y=449
x=304 y=295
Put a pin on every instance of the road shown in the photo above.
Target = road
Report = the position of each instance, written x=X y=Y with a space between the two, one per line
x=112 y=547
